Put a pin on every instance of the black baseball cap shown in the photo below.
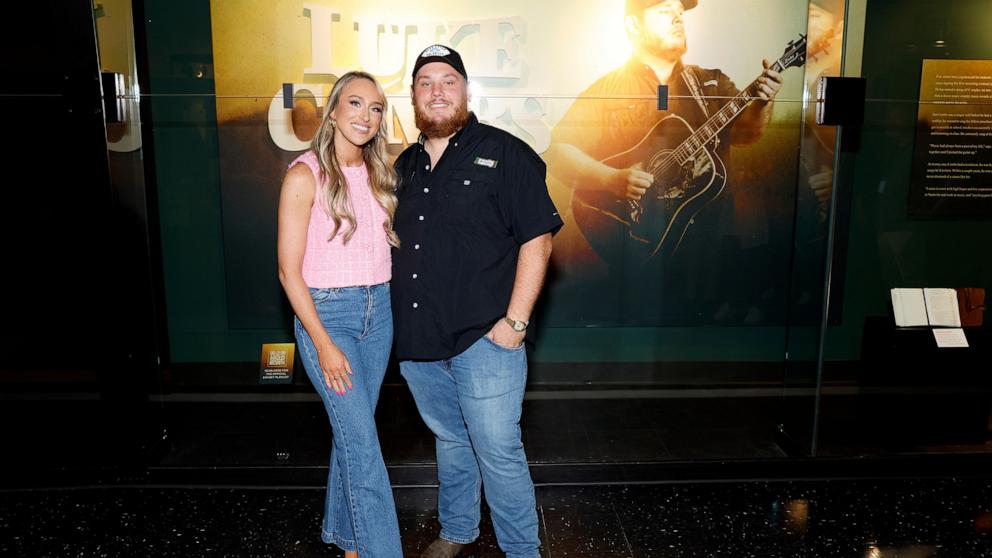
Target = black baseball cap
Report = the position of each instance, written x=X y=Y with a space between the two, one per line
x=637 y=5
x=440 y=53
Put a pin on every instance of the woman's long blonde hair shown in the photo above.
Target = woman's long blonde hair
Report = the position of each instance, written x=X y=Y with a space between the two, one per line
x=382 y=176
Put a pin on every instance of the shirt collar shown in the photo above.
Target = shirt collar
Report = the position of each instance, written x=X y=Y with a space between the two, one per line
x=643 y=71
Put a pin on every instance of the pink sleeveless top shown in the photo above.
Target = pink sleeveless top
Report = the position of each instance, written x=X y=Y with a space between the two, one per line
x=366 y=258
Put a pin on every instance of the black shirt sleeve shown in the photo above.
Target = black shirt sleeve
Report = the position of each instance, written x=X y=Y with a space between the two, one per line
x=523 y=198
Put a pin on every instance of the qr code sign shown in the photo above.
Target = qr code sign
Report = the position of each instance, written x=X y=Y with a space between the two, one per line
x=278 y=358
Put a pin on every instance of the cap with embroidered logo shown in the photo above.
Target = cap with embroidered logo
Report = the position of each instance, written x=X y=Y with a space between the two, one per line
x=440 y=53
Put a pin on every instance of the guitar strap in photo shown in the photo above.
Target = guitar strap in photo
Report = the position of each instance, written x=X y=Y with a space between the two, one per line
x=690 y=79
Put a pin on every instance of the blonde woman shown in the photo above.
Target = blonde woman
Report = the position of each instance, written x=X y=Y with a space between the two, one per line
x=335 y=232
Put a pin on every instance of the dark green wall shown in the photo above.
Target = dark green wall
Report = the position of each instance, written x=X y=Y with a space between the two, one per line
x=184 y=126
x=886 y=248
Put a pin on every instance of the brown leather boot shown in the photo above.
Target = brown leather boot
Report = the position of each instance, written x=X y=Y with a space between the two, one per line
x=441 y=548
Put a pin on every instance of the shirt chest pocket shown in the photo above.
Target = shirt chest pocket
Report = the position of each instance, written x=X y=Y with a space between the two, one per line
x=470 y=194
x=622 y=115
x=627 y=123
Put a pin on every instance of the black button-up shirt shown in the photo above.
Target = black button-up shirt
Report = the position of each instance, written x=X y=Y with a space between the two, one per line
x=461 y=225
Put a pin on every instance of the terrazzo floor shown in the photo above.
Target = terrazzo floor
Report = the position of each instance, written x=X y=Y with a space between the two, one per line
x=831 y=519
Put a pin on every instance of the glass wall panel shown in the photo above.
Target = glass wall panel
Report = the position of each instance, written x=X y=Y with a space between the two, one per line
x=915 y=190
x=670 y=307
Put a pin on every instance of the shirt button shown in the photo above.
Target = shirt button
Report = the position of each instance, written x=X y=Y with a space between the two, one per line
x=427 y=167
x=414 y=275
x=467 y=182
x=416 y=247
x=421 y=218
x=456 y=144
x=427 y=190
x=415 y=305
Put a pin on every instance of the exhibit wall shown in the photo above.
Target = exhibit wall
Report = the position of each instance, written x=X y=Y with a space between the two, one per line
x=225 y=127
x=727 y=288
x=916 y=204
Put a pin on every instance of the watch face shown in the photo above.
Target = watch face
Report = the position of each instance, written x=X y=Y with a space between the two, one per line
x=516 y=324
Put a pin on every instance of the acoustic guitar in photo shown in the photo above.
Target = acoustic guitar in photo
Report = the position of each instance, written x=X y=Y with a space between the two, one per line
x=688 y=175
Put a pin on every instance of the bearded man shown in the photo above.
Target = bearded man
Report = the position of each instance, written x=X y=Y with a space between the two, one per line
x=475 y=223
x=617 y=116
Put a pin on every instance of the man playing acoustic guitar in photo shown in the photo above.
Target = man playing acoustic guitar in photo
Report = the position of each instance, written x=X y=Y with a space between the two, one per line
x=649 y=196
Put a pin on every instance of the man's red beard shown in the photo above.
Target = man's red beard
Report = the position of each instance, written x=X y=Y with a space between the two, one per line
x=443 y=128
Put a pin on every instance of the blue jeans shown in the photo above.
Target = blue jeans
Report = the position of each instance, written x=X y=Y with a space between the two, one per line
x=472 y=404
x=359 y=513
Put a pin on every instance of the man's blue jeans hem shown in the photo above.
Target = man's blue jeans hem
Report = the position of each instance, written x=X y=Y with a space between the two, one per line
x=457 y=540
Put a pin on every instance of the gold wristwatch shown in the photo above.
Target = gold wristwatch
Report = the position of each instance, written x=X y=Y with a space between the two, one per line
x=517 y=325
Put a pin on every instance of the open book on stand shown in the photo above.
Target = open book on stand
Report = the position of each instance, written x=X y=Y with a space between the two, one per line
x=926 y=307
